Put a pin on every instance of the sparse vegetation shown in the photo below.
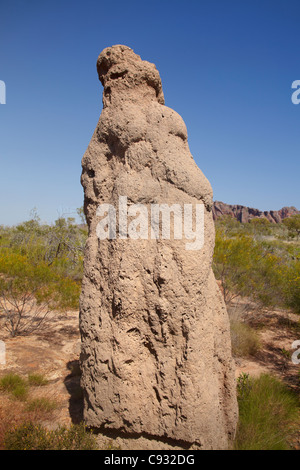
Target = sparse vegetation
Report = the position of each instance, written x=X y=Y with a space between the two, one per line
x=41 y=267
x=15 y=385
x=40 y=270
x=263 y=268
x=31 y=436
x=41 y=404
x=18 y=387
x=293 y=225
x=21 y=420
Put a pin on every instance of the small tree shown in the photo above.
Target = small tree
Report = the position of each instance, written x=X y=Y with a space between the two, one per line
x=232 y=263
x=260 y=226
x=25 y=293
x=22 y=311
x=249 y=268
x=293 y=225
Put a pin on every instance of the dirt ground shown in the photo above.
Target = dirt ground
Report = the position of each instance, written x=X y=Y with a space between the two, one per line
x=54 y=353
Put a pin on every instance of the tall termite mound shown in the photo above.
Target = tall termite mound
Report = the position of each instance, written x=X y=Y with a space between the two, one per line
x=156 y=352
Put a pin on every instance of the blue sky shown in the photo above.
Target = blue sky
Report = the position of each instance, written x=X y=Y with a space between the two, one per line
x=226 y=66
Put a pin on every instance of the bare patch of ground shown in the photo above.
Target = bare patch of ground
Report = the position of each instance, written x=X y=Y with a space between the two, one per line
x=277 y=330
x=54 y=353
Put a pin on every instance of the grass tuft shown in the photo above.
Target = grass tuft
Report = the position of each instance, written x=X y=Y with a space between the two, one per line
x=37 y=380
x=15 y=385
x=244 y=339
x=268 y=411
x=41 y=404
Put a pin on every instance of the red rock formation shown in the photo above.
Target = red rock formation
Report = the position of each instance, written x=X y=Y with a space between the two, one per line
x=245 y=214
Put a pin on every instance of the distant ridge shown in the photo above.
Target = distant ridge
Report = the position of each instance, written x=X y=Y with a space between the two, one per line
x=245 y=214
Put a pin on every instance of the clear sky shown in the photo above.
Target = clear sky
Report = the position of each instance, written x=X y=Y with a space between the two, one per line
x=227 y=67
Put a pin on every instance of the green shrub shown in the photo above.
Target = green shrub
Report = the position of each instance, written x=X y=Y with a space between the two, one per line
x=29 y=290
x=268 y=412
x=24 y=275
x=30 y=436
x=292 y=286
x=293 y=225
x=40 y=262
x=243 y=386
x=267 y=272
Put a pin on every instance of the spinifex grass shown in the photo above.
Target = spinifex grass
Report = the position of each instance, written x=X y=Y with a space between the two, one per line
x=15 y=385
x=268 y=410
x=37 y=380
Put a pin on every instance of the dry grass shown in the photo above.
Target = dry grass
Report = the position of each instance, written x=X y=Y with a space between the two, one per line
x=244 y=339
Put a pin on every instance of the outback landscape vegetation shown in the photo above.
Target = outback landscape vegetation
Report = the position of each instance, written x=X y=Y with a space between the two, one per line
x=257 y=266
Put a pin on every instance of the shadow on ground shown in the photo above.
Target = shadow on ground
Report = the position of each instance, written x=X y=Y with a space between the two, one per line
x=72 y=384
